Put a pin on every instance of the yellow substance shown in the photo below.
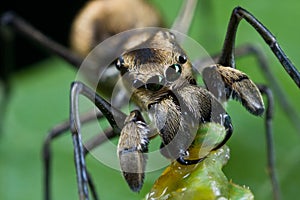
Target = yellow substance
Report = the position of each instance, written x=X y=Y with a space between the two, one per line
x=203 y=181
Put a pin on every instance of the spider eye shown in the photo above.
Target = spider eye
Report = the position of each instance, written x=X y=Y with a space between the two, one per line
x=182 y=59
x=119 y=63
x=155 y=83
x=173 y=72
x=137 y=84
x=172 y=35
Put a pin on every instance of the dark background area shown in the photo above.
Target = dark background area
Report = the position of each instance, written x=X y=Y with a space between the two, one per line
x=51 y=17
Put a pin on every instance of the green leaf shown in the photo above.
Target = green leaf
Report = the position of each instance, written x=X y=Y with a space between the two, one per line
x=202 y=181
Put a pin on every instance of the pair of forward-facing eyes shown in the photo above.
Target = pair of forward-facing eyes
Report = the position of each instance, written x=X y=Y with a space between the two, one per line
x=155 y=83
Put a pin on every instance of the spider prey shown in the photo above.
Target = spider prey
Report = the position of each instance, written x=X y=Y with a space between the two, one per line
x=158 y=75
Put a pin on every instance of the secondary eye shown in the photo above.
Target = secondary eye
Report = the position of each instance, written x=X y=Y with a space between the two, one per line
x=181 y=59
x=173 y=72
x=119 y=63
x=155 y=83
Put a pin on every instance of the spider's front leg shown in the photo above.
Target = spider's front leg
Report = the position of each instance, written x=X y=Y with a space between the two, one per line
x=132 y=146
x=111 y=114
x=226 y=83
x=227 y=56
x=179 y=117
x=232 y=83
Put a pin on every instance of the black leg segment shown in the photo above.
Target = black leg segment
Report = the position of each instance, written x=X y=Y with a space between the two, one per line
x=112 y=115
x=269 y=139
x=56 y=132
x=227 y=56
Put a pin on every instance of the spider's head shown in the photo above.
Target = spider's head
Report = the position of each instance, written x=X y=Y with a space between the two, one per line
x=150 y=72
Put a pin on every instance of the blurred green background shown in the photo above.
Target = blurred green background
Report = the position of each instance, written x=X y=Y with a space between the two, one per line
x=40 y=100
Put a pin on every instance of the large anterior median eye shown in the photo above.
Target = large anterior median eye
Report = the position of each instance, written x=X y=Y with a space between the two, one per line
x=173 y=72
x=138 y=84
x=155 y=83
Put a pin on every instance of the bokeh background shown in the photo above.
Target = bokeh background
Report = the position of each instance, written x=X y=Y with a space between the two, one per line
x=40 y=99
